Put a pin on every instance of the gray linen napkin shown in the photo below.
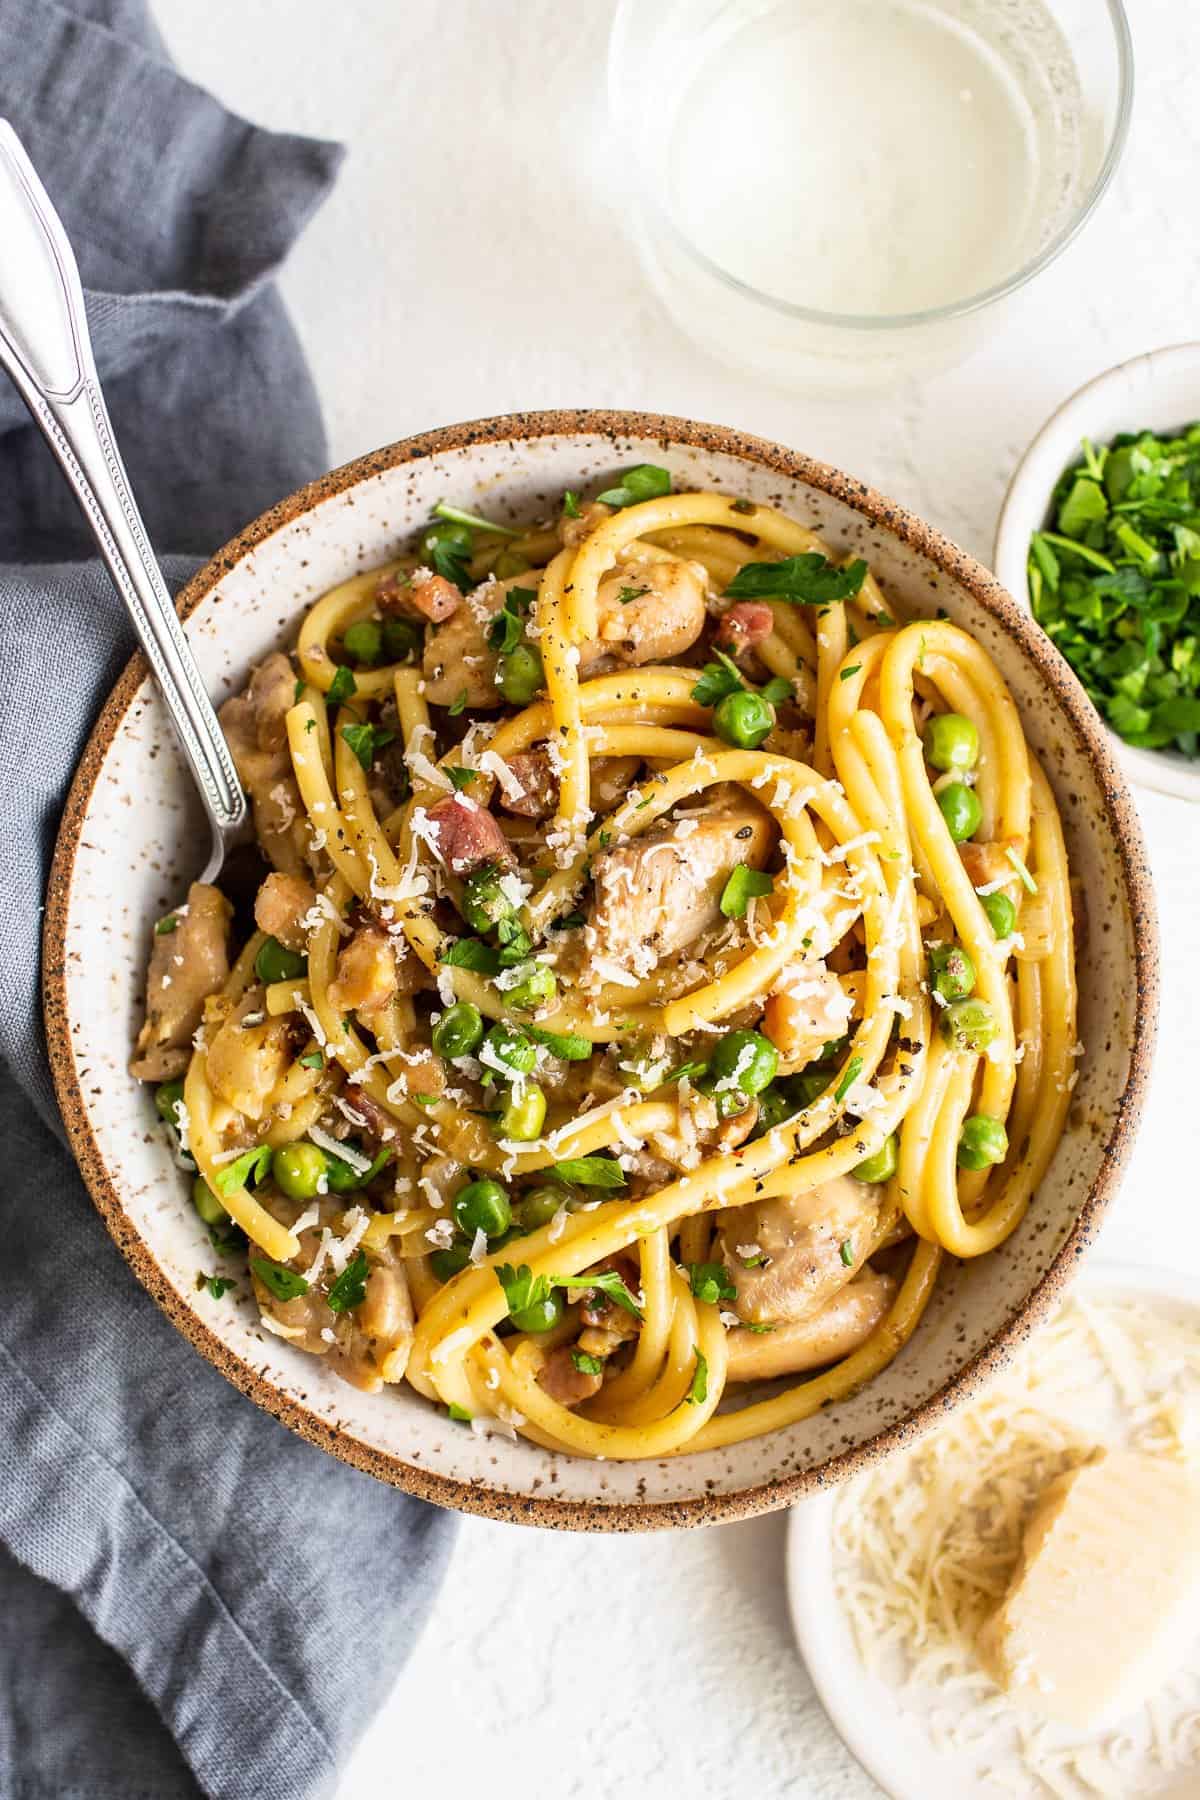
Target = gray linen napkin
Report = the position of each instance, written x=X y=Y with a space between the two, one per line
x=191 y=1599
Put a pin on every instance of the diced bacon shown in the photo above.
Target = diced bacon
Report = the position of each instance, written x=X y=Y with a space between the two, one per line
x=466 y=835
x=746 y=623
x=427 y=597
x=539 y=783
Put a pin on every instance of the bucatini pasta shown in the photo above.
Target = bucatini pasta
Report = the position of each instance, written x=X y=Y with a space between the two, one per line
x=639 y=1005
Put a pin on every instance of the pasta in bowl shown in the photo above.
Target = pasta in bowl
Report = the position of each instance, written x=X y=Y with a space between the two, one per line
x=662 y=994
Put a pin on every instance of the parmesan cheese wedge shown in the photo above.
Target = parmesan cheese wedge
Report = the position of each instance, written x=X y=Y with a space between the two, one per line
x=1106 y=1597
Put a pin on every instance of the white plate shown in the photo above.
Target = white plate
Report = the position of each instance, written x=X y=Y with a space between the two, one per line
x=1159 y=391
x=889 y=1738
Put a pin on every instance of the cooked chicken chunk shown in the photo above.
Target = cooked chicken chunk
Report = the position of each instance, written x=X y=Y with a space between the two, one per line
x=366 y=972
x=841 y=1325
x=187 y=963
x=611 y=777
x=646 y=612
x=281 y=906
x=254 y=728
x=656 y=895
x=249 y=1055
x=989 y=862
x=457 y=660
x=810 y=1245
x=807 y=1009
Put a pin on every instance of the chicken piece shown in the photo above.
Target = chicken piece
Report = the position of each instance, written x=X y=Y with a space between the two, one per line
x=187 y=964
x=255 y=730
x=366 y=972
x=424 y=596
x=367 y=1345
x=839 y=1328
x=646 y=612
x=986 y=863
x=573 y=531
x=457 y=661
x=281 y=906
x=657 y=895
x=611 y=779
x=467 y=835
x=746 y=624
x=811 y=1245
x=563 y=1381
x=421 y=1072
x=807 y=1009
x=249 y=1055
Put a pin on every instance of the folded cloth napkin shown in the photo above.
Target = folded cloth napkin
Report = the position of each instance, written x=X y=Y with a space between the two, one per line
x=192 y=1600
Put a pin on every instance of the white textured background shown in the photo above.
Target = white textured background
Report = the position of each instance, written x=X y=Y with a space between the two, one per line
x=473 y=260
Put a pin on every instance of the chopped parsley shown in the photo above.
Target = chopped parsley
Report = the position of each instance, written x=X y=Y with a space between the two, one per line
x=718 y=679
x=314 y=1060
x=845 y=674
x=807 y=580
x=283 y=1282
x=586 y=1363
x=1027 y=881
x=743 y=886
x=698 y=1392
x=846 y=1252
x=687 y=1071
x=591 y=1171
x=742 y=506
x=458 y=704
x=626 y=594
x=508 y=627
x=644 y=482
x=569 y=922
x=342 y=686
x=298 y=690
x=456 y=516
x=569 y=1046
x=460 y=778
x=458 y=1413
x=850 y=1075
x=367 y=741
x=522 y=1288
x=166 y=926
x=350 y=1289
x=216 y=1285
x=252 y=1165
x=711 y=1282
x=571 y=504
x=472 y=953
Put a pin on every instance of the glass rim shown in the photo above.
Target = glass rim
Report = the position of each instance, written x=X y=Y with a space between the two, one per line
x=933 y=315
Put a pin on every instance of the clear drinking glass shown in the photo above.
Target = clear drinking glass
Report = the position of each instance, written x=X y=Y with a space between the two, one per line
x=839 y=192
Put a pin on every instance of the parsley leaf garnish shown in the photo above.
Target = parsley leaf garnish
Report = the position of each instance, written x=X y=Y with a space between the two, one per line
x=367 y=741
x=456 y=516
x=472 y=953
x=350 y=1289
x=571 y=504
x=283 y=1282
x=626 y=594
x=342 y=686
x=458 y=704
x=458 y=1413
x=846 y=1252
x=603 y=1281
x=645 y=482
x=460 y=778
x=743 y=886
x=718 y=679
x=807 y=580
x=314 y=1060
x=845 y=674
x=698 y=1392
x=252 y=1165
x=586 y=1363
x=508 y=627
x=523 y=1289
x=851 y=1074
x=711 y=1282
x=591 y=1171
x=216 y=1285
x=569 y=1046
x=166 y=926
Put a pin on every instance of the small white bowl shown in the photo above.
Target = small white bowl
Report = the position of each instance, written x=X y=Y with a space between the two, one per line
x=882 y=1727
x=1159 y=391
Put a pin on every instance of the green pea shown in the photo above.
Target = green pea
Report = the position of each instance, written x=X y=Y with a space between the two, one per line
x=743 y=720
x=968 y=1024
x=773 y=1108
x=961 y=810
x=401 y=639
x=482 y=1206
x=363 y=642
x=484 y=903
x=951 y=972
x=275 y=963
x=459 y=1031
x=206 y=1203
x=510 y=1046
x=951 y=742
x=543 y=1315
x=522 y=1120
x=729 y=1101
x=808 y=1086
x=341 y=1177
x=1001 y=913
x=508 y=563
x=446 y=1263
x=538 y=988
x=539 y=1206
x=982 y=1142
x=167 y=1098
x=298 y=1170
x=881 y=1166
x=522 y=675
x=747 y=1056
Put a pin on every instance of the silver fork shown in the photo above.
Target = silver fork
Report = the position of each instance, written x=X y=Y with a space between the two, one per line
x=46 y=349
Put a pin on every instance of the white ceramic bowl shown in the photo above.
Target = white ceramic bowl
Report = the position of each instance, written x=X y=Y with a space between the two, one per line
x=876 y=1724
x=1159 y=391
x=132 y=837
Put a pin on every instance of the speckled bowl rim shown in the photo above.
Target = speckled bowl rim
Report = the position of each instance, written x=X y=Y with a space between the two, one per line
x=1075 y=711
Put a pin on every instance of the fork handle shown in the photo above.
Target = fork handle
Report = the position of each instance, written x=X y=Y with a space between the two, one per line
x=46 y=348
